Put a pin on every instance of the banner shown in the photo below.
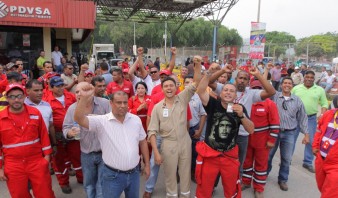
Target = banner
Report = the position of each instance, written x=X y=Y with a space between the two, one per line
x=228 y=54
x=257 y=40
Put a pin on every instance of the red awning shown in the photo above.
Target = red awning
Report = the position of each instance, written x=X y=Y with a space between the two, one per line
x=47 y=13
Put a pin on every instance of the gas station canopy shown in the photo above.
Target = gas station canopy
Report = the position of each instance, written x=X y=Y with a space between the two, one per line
x=150 y=11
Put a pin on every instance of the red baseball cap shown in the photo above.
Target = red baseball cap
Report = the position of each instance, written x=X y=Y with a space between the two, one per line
x=88 y=72
x=51 y=74
x=166 y=72
x=125 y=70
x=255 y=83
x=10 y=87
x=284 y=71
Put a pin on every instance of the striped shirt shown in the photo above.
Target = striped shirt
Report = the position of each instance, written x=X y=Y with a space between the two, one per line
x=45 y=110
x=88 y=140
x=119 y=141
x=291 y=113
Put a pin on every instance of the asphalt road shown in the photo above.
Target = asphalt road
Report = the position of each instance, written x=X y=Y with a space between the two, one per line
x=301 y=183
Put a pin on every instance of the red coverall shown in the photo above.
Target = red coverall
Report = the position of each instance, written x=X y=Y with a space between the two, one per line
x=23 y=152
x=326 y=169
x=265 y=117
x=71 y=150
x=209 y=163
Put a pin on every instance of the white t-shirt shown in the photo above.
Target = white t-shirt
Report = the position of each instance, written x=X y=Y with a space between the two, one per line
x=56 y=57
x=330 y=79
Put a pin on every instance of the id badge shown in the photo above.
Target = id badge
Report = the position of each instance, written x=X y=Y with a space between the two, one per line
x=229 y=108
x=165 y=112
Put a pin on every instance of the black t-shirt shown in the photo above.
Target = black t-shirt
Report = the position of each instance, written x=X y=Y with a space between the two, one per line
x=222 y=127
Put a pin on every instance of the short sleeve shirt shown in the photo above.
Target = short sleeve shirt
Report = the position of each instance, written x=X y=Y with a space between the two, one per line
x=222 y=127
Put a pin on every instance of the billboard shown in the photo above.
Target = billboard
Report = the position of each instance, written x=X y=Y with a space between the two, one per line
x=257 y=40
x=228 y=54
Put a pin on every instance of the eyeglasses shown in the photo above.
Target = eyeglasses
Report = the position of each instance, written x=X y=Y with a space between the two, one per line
x=284 y=105
x=153 y=72
x=13 y=97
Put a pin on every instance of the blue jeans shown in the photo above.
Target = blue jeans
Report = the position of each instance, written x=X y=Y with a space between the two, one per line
x=92 y=168
x=115 y=183
x=308 y=155
x=154 y=168
x=286 y=142
x=242 y=142
x=326 y=86
x=193 y=147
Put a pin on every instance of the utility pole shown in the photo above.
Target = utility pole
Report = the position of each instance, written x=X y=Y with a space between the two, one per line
x=307 y=52
x=259 y=10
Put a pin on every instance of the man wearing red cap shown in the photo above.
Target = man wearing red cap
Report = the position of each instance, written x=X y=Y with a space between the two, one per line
x=60 y=100
x=88 y=76
x=25 y=146
x=265 y=117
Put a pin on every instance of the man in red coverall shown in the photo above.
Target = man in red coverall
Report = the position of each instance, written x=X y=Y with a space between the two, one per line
x=219 y=152
x=60 y=99
x=326 y=153
x=25 y=148
x=265 y=117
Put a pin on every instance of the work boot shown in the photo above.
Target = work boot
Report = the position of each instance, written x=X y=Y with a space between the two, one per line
x=71 y=172
x=309 y=168
x=66 y=189
x=283 y=186
x=146 y=194
x=259 y=194
x=245 y=186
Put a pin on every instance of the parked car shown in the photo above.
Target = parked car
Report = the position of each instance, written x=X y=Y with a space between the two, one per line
x=318 y=66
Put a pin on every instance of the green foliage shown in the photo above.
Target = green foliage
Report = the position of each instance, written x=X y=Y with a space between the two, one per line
x=278 y=42
x=198 y=32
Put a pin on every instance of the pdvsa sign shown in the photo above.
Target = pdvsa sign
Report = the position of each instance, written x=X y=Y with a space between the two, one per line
x=28 y=11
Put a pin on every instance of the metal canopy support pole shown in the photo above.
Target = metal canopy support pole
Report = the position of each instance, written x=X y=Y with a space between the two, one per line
x=213 y=58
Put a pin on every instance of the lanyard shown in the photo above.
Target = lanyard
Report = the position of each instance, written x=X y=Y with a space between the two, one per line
x=236 y=101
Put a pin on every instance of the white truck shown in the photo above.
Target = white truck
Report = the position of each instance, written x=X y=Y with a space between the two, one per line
x=100 y=52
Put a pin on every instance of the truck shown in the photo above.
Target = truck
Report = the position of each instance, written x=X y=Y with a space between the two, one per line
x=100 y=52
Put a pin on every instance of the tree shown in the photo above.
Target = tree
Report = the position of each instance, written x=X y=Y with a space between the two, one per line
x=278 y=42
x=197 y=32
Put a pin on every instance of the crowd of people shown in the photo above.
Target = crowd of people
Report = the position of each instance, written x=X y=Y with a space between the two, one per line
x=107 y=126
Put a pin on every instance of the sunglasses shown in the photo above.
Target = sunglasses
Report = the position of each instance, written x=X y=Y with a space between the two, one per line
x=284 y=105
x=19 y=64
x=13 y=97
x=153 y=72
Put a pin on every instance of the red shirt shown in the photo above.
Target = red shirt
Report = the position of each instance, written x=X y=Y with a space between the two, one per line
x=59 y=111
x=134 y=103
x=126 y=87
x=3 y=82
x=34 y=134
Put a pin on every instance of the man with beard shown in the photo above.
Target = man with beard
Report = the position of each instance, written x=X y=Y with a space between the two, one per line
x=219 y=152
x=25 y=146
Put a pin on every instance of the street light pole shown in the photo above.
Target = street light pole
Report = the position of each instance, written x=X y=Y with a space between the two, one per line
x=307 y=52
x=259 y=10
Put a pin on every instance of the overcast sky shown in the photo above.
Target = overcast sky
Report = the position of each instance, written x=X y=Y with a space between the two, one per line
x=300 y=18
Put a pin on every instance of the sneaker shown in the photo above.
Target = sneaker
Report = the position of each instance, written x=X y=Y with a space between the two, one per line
x=71 y=172
x=51 y=171
x=259 y=194
x=245 y=186
x=283 y=186
x=66 y=189
x=146 y=194
x=309 y=168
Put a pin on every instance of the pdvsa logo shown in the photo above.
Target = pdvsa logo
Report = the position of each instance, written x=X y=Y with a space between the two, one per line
x=3 y=9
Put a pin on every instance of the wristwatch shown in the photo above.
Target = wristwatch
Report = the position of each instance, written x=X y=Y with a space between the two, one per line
x=241 y=117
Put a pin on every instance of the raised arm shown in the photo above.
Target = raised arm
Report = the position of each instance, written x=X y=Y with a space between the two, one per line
x=84 y=105
x=143 y=71
x=172 y=60
x=132 y=70
x=197 y=69
x=268 y=88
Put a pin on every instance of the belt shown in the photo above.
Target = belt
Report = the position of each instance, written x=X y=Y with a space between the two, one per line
x=288 y=129
x=95 y=152
x=130 y=171
x=311 y=115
